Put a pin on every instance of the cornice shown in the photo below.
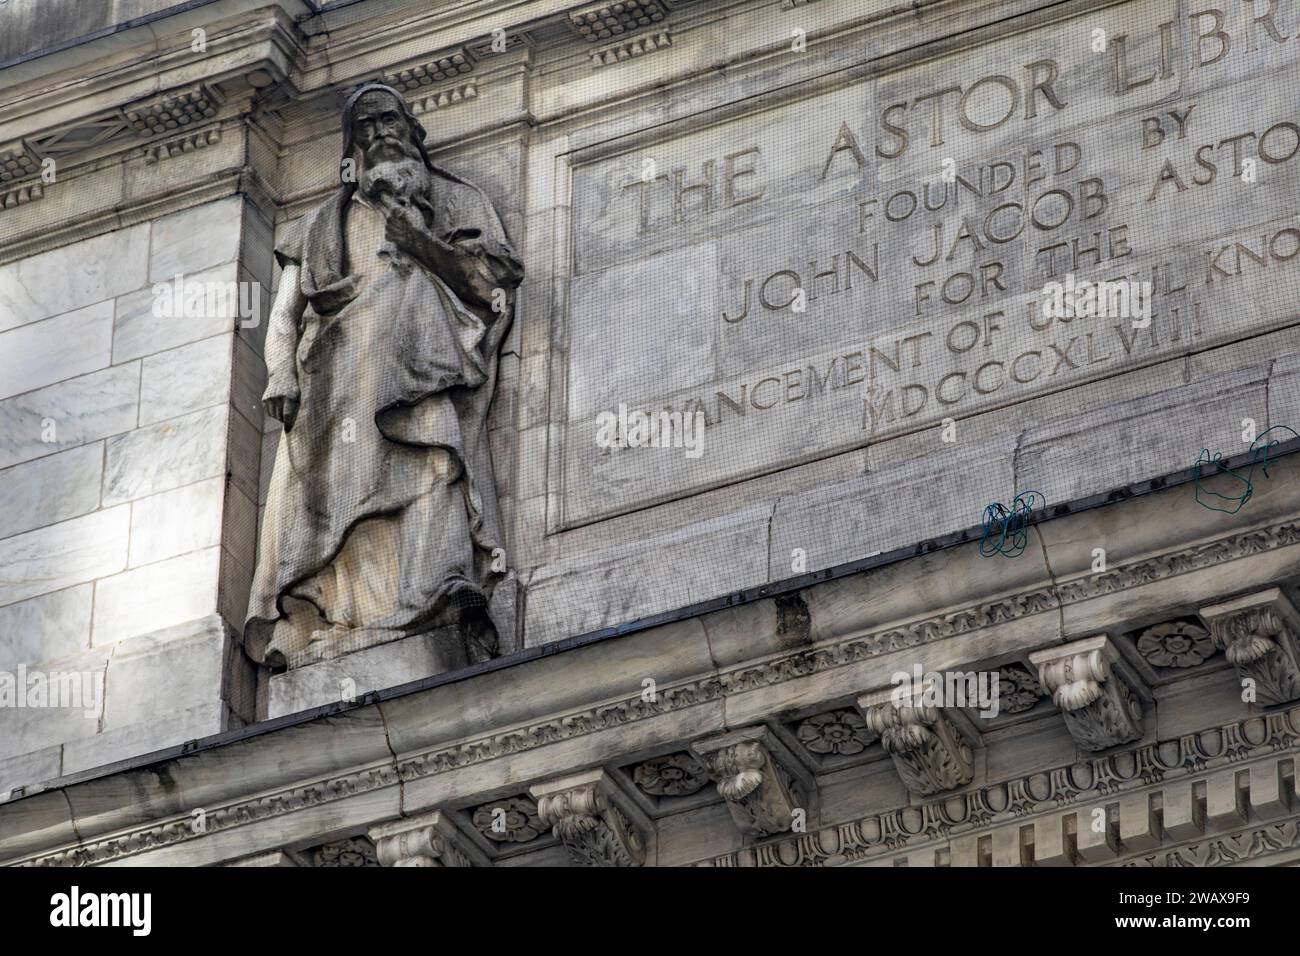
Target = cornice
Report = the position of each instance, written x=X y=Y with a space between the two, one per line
x=915 y=827
x=263 y=39
x=123 y=216
x=881 y=833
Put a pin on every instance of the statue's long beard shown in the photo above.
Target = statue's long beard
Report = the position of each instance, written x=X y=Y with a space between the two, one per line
x=391 y=166
x=394 y=183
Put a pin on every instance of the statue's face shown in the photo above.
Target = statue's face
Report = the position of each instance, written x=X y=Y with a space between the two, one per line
x=380 y=129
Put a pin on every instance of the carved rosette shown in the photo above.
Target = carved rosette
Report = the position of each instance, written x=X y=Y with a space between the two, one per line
x=1179 y=644
x=1100 y=708
x=841 y=733
x=672 y=775
x=928 y=752
x=430 y=839
x=513 y=820
x=757 y=780
x=586 y=820
x=1254 y=636
x=1018 y=690
x=357 y=851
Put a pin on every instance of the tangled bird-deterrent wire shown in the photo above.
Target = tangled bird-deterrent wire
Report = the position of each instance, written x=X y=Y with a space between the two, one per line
x=1006 y=530
x=1243 y=479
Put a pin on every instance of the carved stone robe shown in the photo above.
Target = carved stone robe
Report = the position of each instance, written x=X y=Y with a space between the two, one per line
x=382 y=516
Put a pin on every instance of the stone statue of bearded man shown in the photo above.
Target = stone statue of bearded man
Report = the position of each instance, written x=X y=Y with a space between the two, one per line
x=382 y=520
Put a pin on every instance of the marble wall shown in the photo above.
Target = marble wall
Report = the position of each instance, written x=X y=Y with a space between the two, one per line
x=129 y=481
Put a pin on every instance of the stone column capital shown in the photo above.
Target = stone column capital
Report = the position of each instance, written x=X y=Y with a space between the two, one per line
x=430 y=839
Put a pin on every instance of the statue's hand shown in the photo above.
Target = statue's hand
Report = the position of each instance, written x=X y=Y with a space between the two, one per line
x=283 y=408
x=405 y=229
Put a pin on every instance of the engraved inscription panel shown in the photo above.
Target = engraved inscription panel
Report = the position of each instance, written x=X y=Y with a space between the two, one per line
x=825 y=273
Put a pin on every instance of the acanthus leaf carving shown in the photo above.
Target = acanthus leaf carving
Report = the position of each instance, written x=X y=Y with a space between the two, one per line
x=757 y=777
x=931 y=756
x=590 y=818
x=1099 y=705
x=1255 y=635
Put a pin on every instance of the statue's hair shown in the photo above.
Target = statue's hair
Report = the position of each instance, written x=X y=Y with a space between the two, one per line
x=417 y=130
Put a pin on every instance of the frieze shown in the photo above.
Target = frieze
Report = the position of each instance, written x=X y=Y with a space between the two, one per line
x=1226 y=850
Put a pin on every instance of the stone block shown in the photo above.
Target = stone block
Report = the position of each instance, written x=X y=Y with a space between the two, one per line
x=1066 y=460
x=28 y=769
x=244 y=454
x=258 y=244
x=172 y=669
x=1225 y=801
x=51 y=489
x=60 y=702
x=176 y=522
x=195 y=239
x=234 y=585
x=1138 y=827
x=249 y=381
x=69 y=414
x=1008 y=849
x=528 y=465
x=46 y=628
x=143 y=327
x=1096 y=833
x=966 y=851
x=56 y=349
x=155 y=596
x=620 y=584
x=1284 y=394
x=1183 y=812
x=239 y=526
x=64 y=554
x=352 y=675
x=142 y=738
x=852 y=519
x=1052 y=845
x=185 y=379
x=73 y=276
x=1269 y=796
x=165 y=455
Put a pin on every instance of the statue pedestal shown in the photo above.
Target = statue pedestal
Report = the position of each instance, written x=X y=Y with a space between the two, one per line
x=355 y=674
